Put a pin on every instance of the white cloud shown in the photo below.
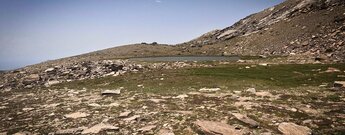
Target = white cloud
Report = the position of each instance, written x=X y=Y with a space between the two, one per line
x=158 y=1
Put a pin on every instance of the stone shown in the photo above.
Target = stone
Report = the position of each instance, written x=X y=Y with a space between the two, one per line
x=251 y=90
x=157 y=100
x=209 y=89
x=293 y=129
x=245 y=119
x=98 y=128
x=135 y=117
x=50 y=83
x=331 y=70
x=182 y=96
x=111 y=92
x=147 y=128
x=49 y=70
x=165 y=132
x=94 y=105
x=263 y=64
x=263 y=94
x=113 y=105
x=215 y=128
x=125 y=114
x=70 y=131
x=76 y=115
x=23 y=133
x=339 y=84
x=28 y=109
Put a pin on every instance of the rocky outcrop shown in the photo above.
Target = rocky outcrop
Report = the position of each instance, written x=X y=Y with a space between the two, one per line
x=293 y=27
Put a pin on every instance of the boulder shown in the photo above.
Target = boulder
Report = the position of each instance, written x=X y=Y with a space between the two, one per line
x=215 y=128
x=293 y=129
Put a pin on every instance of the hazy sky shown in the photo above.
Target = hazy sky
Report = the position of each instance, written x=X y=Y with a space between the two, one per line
x=32 y=31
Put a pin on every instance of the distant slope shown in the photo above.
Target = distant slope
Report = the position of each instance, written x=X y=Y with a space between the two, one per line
x=313 y=28
x=307 y=28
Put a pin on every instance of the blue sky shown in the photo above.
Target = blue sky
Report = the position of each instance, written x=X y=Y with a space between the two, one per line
x=33 y=31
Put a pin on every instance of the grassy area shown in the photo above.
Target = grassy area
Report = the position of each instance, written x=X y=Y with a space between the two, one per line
x=227 y=77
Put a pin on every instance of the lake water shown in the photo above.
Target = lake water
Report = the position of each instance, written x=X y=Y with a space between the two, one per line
x=187 y=58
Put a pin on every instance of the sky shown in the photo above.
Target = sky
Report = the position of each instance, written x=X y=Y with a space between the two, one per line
x=32 y=31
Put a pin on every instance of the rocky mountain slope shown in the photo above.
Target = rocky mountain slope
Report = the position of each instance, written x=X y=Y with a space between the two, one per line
x=314 y=28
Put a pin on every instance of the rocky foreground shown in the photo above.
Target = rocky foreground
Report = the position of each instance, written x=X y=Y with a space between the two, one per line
x=38 y=108
x=208 y=110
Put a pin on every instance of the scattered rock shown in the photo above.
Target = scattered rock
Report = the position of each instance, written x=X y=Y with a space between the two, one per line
x=28 y=109
x=215 y=128
x=331 y=70
x=50 y=83
x=147 y=128
x=49 y=70
x=165 y=132
x=339 y=84
x=263 y=94
x=251 y=90
x=135 y=117
x=111 y=92
x=293 y=129
x=156 y=100
x=263 y=64
x=182 y=96
x=125 y=114
x=245 y=119
x=76 y=115
x=94 y=105
x=209 y=89
x=23 y=133
x=70 y=131
x=98 y=128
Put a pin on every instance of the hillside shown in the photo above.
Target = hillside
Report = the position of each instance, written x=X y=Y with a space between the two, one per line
x=312 y=28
